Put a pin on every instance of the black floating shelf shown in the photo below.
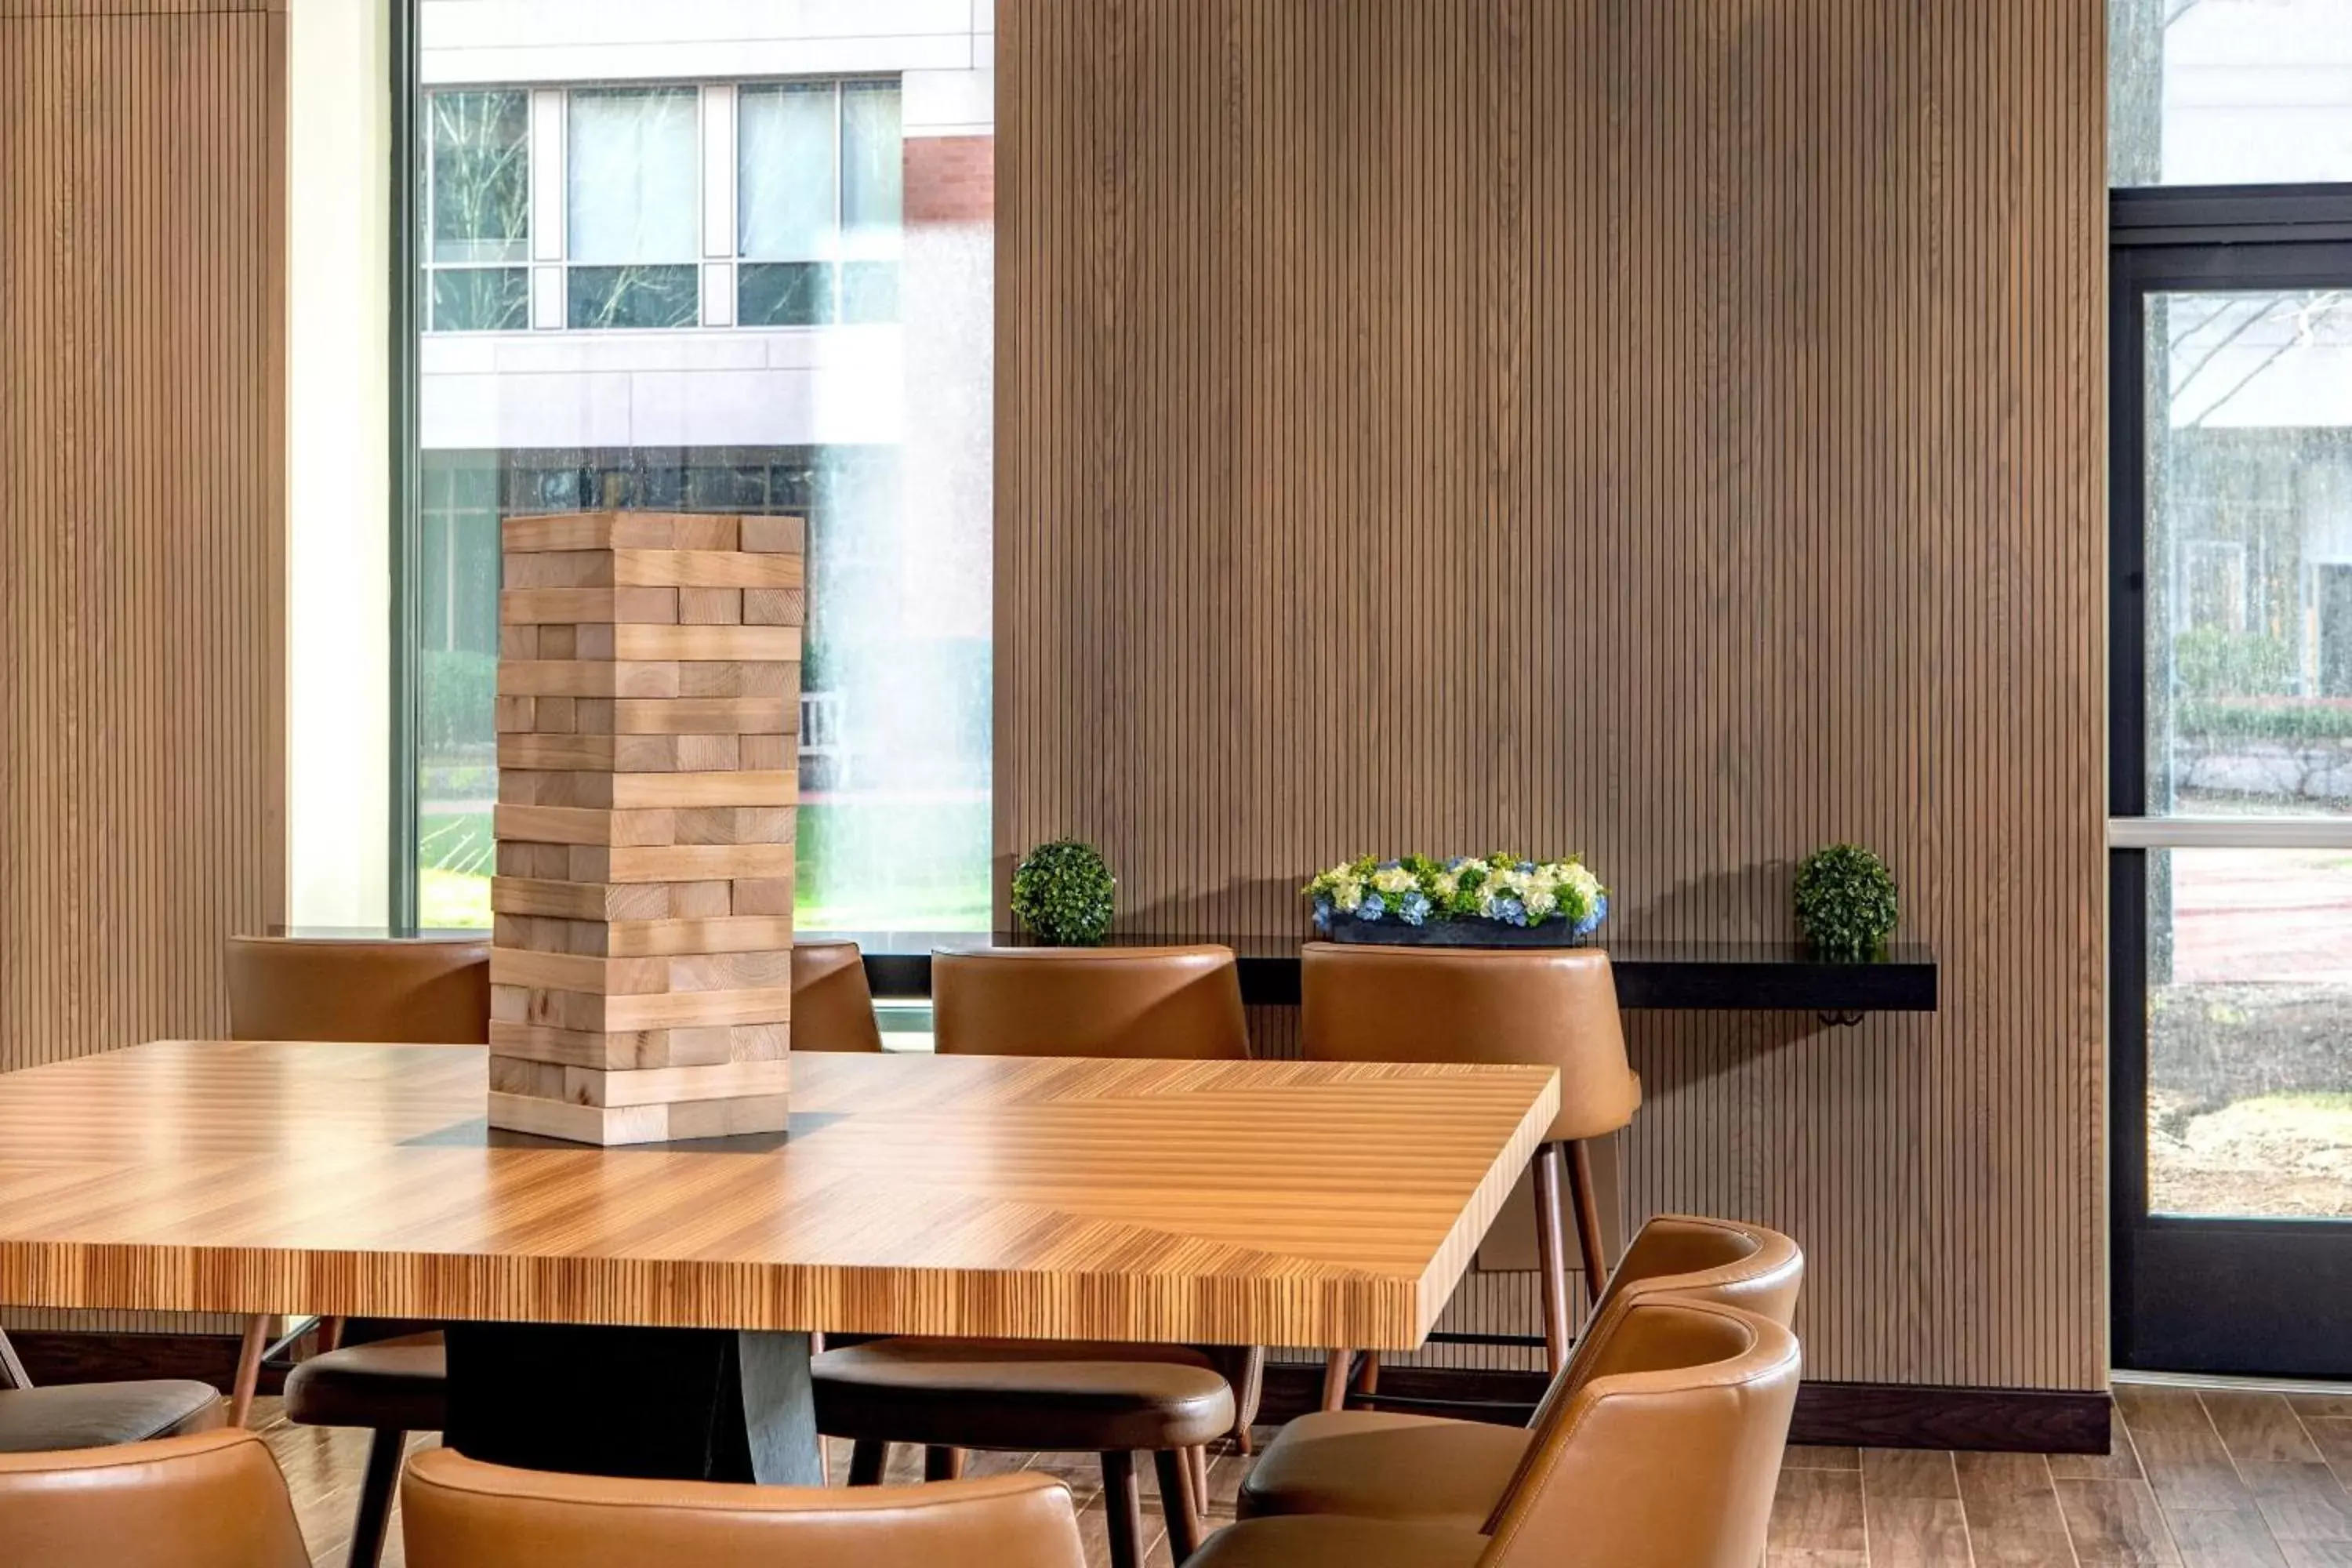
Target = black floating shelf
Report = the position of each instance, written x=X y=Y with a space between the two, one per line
x=1651 y=976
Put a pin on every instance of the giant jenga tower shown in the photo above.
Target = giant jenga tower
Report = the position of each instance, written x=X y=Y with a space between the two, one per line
x=647 y=705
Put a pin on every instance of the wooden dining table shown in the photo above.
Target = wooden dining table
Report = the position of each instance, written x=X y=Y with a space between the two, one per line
x=608 y=1305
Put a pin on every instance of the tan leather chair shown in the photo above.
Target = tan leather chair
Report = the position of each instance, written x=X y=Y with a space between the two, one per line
x=461 y=1513
x=1554 y=1006
x=832 y=1007
x=96 y=1414
x=1163 y=1004
x=383 y=991
x=1392 y=1464
x=1116 y=1400
x=1664 y=1456
x=214 y=1499
x=387 y=991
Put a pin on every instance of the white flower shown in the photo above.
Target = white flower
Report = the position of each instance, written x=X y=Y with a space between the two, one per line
x=1447 y=884
x=1347 y=893
x=1394 y=880
x=1540 y=902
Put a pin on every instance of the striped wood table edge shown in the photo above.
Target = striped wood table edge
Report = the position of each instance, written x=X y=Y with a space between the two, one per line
x=1264 y=1202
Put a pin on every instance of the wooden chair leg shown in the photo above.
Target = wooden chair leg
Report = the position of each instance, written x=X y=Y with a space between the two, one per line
x=1551 y=1253
x=1200 y=1467
x=868 y=1457
x=1336 y=1365
x=385 y=1449
x=1368 y=1374
x=1123 y=1509
x=942 y=1464
x=1588 y=1217
x=249 y=1370
x=1176 y=1487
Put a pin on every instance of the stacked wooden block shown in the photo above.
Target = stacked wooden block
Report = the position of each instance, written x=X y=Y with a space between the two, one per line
x=648 y=705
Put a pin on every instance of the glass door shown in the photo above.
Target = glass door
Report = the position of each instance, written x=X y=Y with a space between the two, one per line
x=2231 y=794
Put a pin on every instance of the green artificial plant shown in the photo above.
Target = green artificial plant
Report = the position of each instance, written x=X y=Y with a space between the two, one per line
x=1845 y=902
x=1062 y=891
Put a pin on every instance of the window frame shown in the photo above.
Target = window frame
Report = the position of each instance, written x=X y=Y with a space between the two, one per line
x=2168 y=1270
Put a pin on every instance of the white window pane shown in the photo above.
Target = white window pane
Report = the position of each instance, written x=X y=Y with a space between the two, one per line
x=481 y=176
x=786 y=198
x=2215 y=92
x=2250 y=553
x=2249 y=999
x=873 y=161
x=633 y=161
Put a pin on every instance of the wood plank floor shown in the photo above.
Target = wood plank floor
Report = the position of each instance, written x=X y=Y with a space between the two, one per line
x=2211 y=1478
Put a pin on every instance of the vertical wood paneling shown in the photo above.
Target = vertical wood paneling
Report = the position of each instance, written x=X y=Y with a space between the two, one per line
x=1669 y=432
x=141 y=513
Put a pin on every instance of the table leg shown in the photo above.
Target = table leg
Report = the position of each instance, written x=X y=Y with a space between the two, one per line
x=654 y=1404
x=780 y=1409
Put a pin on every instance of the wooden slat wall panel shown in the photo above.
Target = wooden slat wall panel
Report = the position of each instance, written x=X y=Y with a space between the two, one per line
x=91 y=8
x=141 y=456
x=1670 y=432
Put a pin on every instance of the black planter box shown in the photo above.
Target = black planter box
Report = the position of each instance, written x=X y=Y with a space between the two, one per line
x=1389 y=932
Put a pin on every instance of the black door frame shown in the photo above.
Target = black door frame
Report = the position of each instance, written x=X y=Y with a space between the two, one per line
x=2260 y=1297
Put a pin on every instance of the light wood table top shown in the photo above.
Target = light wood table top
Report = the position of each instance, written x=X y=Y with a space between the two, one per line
x=1259 y=1203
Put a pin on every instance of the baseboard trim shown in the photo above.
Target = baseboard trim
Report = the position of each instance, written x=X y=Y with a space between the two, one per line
x=1832 y=1415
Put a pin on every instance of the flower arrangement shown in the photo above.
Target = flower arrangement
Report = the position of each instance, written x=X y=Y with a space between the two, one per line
x=1063 y=892
x=1504 y=890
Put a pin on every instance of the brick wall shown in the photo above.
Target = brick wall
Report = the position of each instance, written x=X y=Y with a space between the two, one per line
x=951 y=179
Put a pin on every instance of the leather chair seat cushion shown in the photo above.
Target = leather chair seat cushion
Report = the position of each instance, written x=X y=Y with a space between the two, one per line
x=1385 y=1465
x=1332 y=1542
x=1022 y=1394
x=101 y=1414
x=399 y=1384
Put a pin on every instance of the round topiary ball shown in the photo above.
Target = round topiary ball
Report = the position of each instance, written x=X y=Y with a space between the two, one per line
x=1845 y=902
x=1062 y=891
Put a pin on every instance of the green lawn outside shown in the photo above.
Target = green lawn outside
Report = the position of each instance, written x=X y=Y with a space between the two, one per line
x=862 y=866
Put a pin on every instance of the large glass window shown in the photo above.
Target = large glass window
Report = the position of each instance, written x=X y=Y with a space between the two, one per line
x=2229 y=92
x=806 y=262
x=477 y=207
x=632 y=208
x=820 y=194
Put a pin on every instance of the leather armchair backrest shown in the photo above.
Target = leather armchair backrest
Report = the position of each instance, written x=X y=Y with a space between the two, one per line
x=1691 y=1258
x=459 y=1513
x=1553 y=1006
x=384 y=992
x=1181 y=1002
x=832 y=1007
x=1667 y=1455
x=212 y=1500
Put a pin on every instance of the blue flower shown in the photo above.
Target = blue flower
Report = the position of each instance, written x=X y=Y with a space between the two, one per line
x=1524 y=867
x=1592 y=922
x=1457 y=863
x=1510 y=911
x=1414 y=910
x=1390 y=865
x=1372 y=908
x=1322 y=914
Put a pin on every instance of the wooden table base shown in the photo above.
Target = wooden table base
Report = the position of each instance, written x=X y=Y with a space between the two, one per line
x=650 y=1403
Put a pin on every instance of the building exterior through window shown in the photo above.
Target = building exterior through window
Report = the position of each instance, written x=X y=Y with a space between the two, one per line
x=669 y=266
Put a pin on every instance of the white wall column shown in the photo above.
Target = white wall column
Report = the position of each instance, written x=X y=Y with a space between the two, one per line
x=338 y=547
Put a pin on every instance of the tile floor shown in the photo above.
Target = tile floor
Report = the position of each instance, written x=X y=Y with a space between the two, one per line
x=2210 y=1478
